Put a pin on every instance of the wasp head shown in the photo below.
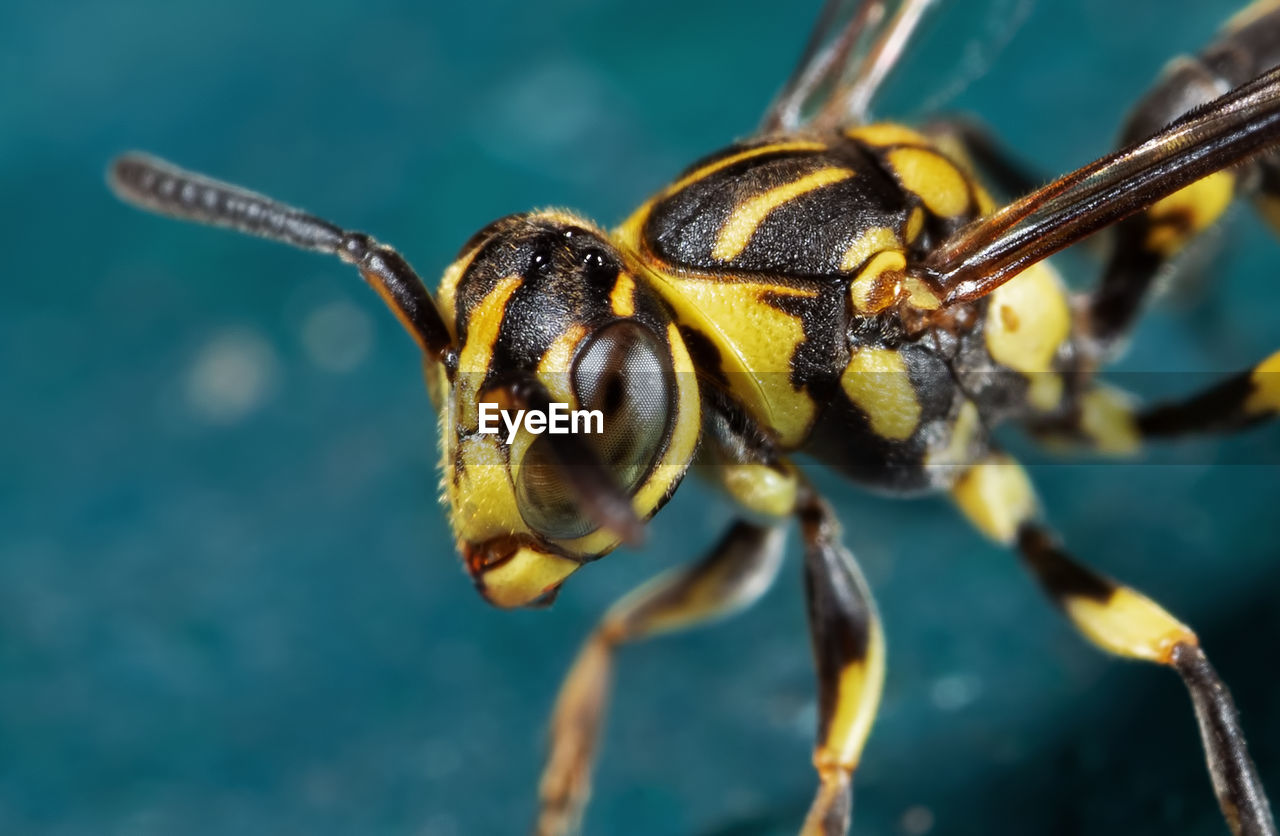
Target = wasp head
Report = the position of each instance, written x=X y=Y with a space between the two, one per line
x=571 y=412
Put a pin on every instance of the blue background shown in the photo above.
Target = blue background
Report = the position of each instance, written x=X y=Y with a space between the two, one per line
x=228 y=601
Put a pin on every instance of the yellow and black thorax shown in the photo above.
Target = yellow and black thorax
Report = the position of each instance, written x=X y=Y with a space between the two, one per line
x=783 y=260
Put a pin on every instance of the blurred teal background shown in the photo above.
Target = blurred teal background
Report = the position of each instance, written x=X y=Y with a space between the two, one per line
x=228 y=601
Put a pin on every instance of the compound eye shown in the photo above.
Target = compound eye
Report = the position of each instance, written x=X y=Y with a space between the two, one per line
x=624 y=373
x=545 y=501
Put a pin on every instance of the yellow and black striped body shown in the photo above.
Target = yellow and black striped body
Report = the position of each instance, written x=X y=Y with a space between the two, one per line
x=820 y=293
x=783 y=260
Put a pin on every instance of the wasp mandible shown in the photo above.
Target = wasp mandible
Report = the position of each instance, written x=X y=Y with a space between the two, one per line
x=835 y=287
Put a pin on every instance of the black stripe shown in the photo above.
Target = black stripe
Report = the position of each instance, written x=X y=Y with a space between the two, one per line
x=1061 y=576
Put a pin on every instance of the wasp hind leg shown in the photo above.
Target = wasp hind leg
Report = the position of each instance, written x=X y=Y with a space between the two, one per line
x=1109 y=421
x=998 y=499
x=731 y=577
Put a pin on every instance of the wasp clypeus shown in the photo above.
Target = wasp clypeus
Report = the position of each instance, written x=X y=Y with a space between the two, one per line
x=833 y=287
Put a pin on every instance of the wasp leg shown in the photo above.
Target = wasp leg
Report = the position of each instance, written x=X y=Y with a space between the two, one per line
x=1108 y=420
x=1242 y=400
x=997 y=497
x=848 y=649
x=734 y=575
x=1147 y=242
x=1103 y=420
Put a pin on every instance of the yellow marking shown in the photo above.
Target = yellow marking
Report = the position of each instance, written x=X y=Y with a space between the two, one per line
x=555 y=367
x=964 y=430
x=1044 y=390
x=483 y=325
x=481 y=499
x=448 y=290
x=886 y=133
x=1250 y=14
x=985 y=204
x=949 y=144
x=482 y=332
x=687 y=426
x=760 y=488
x=857 y=700
x=996 y=496
x=482 y=502
x=1129 y=624
x=876 y=381
x=525 y=576
x=623 y=297
x=1176 y=218
x=755 y=341
x=872 y=241
x=879 y=284
x=919 y=294
x=1027 y=321
x=915 y=224
x=1265 y=397
x=733 y=159
x=741 y=225
x=1106 y=418
x=564 y=217
x=938 y=183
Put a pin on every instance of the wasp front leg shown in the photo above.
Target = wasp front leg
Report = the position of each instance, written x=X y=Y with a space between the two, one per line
x=734 y=575
x=848 y=645
x=997 y=497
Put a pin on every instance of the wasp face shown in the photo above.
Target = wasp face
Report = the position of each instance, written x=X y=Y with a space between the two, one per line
x=550 y=319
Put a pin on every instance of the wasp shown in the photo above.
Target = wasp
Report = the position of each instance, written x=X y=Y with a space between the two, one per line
x=832 y=287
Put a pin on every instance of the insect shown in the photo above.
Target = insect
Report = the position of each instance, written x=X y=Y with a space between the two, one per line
x=834 y=287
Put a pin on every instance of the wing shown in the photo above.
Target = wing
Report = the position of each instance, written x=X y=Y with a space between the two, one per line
x=852 y=48
x=855 y=44
x=1220 y=134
